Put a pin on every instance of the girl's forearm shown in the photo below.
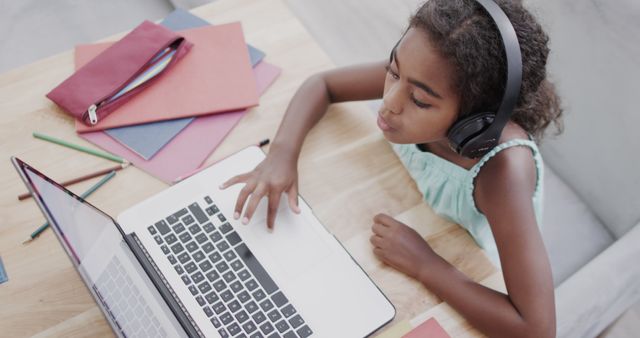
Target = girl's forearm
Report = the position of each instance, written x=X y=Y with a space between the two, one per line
x=305 y=109
x=310 y=103
x=488 y=310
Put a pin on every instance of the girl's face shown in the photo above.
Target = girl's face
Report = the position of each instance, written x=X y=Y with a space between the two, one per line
x=419 y=101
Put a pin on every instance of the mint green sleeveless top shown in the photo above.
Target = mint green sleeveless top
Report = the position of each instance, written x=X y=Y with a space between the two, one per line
x=448 y=188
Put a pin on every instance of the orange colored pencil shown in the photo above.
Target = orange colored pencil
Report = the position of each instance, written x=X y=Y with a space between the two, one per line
x=82 y=178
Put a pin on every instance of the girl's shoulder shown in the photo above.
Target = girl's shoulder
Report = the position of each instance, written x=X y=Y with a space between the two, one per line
x=510 y=170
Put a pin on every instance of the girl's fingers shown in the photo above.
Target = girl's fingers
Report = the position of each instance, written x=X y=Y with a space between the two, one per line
x=293 y=198
x=376 y=241
x=242 y=198
x=272 y=210
x=379 y=229
x=256 y=196
x=377 y=252
x=384 y=219
x=234 y=180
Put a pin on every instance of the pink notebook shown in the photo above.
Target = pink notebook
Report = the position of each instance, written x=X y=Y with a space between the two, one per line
x=215 y=76
x=430 y=328
x=191 y=147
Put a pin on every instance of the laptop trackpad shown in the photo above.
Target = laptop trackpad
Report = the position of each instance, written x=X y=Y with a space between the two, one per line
x=294 y=243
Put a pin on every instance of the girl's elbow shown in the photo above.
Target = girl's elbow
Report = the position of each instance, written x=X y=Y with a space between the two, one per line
x=544 y=329
x=318 y=81
x=548 y=326
x=550 y=330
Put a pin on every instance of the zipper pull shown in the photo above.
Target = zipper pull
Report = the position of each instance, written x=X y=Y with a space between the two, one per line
x=93 y=117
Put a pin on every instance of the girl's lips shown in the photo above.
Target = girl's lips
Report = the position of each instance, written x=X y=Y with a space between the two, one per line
x=382 y=124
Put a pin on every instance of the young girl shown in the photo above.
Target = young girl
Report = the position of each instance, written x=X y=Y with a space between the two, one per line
x=449 y=63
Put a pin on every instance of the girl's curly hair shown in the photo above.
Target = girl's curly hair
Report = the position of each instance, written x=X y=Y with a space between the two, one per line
x=465 y=34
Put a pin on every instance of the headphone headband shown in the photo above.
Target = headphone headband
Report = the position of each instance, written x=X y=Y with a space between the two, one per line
x=514 y=68
x=476 y=134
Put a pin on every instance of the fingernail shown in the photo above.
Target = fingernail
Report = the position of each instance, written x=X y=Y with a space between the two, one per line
x=236 y=215
x=245 y=221
x=221 y=186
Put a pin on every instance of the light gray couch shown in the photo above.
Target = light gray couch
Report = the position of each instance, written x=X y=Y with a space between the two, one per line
x=592 y=184
x=592 y=221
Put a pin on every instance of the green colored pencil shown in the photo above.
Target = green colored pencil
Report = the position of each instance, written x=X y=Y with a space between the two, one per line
x=79 y=148
x=84 y=196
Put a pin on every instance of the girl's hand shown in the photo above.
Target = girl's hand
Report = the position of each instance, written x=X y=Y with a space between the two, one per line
x=401 y=247
x=276 y=174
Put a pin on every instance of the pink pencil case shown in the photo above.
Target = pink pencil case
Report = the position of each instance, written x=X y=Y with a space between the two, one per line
x=118 y=73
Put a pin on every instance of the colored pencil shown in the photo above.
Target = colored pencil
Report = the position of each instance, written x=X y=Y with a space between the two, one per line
x=81 y=178
x=180 y=178
x=67 y=144
x=86 y=194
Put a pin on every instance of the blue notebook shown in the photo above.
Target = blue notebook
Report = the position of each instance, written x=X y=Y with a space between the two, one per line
x=147 y=139
x=3 y=273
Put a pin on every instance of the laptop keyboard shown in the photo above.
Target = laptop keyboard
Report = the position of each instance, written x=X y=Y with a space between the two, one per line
x=125 y=304
x=234 y=290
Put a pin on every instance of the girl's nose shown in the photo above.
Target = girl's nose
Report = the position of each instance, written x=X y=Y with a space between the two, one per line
x=392 y=100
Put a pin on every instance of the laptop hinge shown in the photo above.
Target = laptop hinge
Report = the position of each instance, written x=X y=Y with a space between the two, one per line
x=162 y=285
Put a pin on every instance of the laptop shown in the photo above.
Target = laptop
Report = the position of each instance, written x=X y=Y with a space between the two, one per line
x=177 y=264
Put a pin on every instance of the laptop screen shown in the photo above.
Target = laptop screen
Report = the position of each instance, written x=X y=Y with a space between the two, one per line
x=96 y=246
x=83 y=230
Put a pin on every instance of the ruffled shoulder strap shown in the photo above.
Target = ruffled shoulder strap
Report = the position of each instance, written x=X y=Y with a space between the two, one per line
x=473 y=172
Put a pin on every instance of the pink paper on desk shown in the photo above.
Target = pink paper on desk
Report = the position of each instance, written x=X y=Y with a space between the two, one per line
x=191 y=147
x=215 y=76
x=430 y=328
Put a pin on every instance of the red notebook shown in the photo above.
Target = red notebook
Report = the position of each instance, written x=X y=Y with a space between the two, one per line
x=215 y=76
x=430 y=328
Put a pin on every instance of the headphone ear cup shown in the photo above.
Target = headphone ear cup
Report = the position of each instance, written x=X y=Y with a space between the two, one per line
x=468 y=128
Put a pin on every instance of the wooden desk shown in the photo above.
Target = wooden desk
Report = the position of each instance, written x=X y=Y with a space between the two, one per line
x=348 y=173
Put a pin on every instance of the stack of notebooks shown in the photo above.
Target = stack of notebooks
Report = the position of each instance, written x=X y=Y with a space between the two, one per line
x=172 y=127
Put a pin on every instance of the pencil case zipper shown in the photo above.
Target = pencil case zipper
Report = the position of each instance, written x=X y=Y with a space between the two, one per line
x=106 y=104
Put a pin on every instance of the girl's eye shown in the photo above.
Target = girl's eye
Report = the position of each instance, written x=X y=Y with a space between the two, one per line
x=392 y=73
x=419 y=103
